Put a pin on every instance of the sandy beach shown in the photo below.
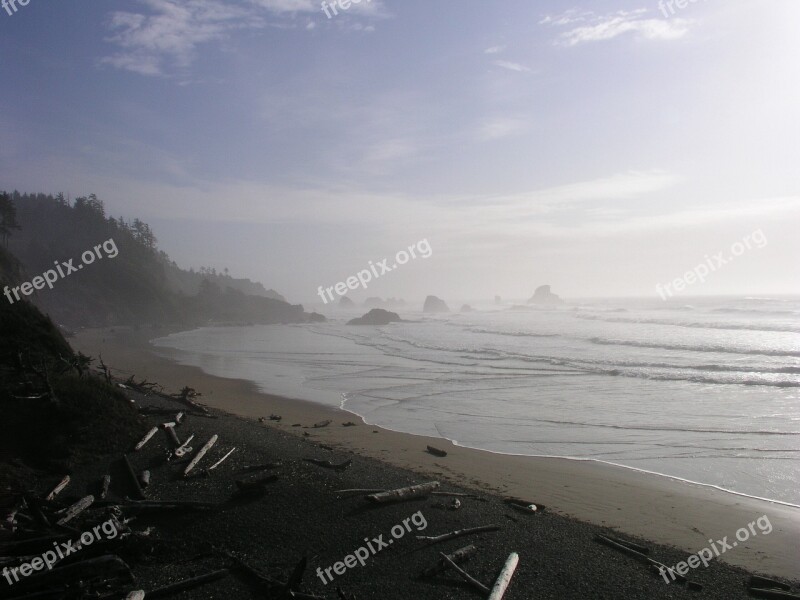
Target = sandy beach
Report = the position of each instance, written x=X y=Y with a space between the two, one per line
x=646 y=506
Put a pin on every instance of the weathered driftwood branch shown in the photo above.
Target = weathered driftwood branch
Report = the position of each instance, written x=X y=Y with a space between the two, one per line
x=329 y=465
x=57 y=490
x=76 y=509
x=459 y=556
x=757 y=581
x=101 y=566
x=435 y=539
x=201 y=453
x=254 y=468
x=254 y=484
x=501 y=585
x=221 y=460
x=135 y=595
x=132 y=477
x=466 y=576
x=185 y=396
x=637 y=547
x=403 y=494
x=156 y=506
x=187 y=584
x=145 y=439
x=772 y=594
x=104 y=486
x=642 y=558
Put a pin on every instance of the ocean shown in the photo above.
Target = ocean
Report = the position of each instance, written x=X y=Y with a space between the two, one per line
x=705 y=390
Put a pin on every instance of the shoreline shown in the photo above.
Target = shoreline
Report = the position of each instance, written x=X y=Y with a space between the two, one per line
x=652 y=506
x=674 y=478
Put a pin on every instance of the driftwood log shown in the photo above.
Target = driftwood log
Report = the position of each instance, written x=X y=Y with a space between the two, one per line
x=200 y=454
x=459 y=556
x=57 y=490
x=504 y=579
x=145 y=439
x=403 y=494
x=436 y=451
x=76 y=509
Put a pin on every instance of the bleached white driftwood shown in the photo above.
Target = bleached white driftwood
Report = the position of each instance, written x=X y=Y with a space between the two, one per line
x=57 y=490
x=504 y=578
x=144 y=478
x=201 y=454
x=76 y=509
x=219 y=462
x=406 y=493
x=459 y=533
x=145 y=439
x=135 y=595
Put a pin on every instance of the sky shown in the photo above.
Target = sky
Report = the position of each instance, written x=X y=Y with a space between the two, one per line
x=599 y=147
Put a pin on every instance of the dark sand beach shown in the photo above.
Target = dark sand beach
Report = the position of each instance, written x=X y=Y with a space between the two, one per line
x=302 y=516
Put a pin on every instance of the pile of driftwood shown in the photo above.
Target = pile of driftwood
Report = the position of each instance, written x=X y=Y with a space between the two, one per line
x=42 y=554
x=35 y=525
x=451 y=561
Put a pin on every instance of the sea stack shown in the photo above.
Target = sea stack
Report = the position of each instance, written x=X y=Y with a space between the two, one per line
x=377 y=316
x=543 y=295
x=435 y=305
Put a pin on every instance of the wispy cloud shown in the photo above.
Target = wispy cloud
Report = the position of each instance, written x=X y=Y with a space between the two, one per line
x=502 y=127
x=587 y=26
x=166 y=35
x=494 y=50
x=511 y=66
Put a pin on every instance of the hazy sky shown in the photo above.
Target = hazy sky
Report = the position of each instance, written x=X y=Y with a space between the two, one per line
x=600 y=147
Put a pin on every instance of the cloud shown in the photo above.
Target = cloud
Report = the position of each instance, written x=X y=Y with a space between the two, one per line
x=501 y=127
x=597 y=28
x=511 y=66
x=167 y=34
x=494 y=50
